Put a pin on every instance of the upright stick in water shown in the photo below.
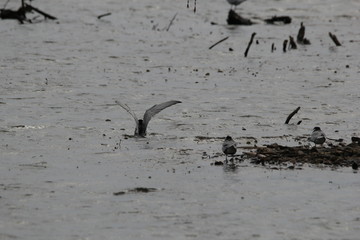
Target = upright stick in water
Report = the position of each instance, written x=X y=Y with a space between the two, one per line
x=251 y=41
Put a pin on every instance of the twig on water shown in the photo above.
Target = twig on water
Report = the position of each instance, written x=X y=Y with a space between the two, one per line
x=218 y=42
x=171 y=22
x=251 y=41
x=334 y=38
x=291 y=115
x=103 y=15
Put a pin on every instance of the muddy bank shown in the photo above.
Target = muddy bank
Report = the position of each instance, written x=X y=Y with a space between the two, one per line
x=335 y=156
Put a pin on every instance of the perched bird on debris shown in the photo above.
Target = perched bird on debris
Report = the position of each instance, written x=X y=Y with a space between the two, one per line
x=235 y=2
x=141 y=124
x=229 y=146
x=317 y=136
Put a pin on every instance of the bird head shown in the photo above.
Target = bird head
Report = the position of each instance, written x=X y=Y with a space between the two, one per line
x=316 y=129
x=228 y=138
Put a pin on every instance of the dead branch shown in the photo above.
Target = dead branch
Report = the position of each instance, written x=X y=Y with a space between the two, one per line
x=291 y=115
x=19 y=15
x=46 y=15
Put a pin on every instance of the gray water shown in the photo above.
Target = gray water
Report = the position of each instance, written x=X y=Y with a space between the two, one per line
x=64 y=150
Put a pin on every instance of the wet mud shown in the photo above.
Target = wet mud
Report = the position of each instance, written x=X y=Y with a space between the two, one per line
x=332 y=156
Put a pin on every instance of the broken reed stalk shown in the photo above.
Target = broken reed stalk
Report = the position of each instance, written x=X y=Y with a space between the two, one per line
x=292 y=44
x=171 y=22
x=103 y=15
x=291 y=115
x=188 y=6
x=301 y=33
x=284 y=45
x=301 y=36
x=218 y=42
x=251 y=41
x=334 y=38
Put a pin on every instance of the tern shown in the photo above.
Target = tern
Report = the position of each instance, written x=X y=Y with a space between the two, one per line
x=141 y=124
x=317 y=136
x=229 y=146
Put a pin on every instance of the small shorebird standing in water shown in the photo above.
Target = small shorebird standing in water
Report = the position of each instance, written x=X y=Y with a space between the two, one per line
x=141 y=124
x=229 y=146
x=235 y=3
x=317 y=136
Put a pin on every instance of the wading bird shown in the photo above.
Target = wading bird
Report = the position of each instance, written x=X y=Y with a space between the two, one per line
x=229 y=146
x=317 y=136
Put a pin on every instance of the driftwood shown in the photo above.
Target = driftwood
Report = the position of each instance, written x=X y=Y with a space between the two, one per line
x=218 y=42
x=334 y=38
x=291 y=115
x=236 y=19
x=276 y=20
x=20 y=14
x=251 y=41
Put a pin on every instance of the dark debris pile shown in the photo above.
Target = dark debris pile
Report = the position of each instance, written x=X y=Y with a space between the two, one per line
x=338 y=156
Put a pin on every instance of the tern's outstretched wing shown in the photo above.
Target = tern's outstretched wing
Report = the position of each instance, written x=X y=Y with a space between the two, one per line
x=156 y=109
x=127 y=108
